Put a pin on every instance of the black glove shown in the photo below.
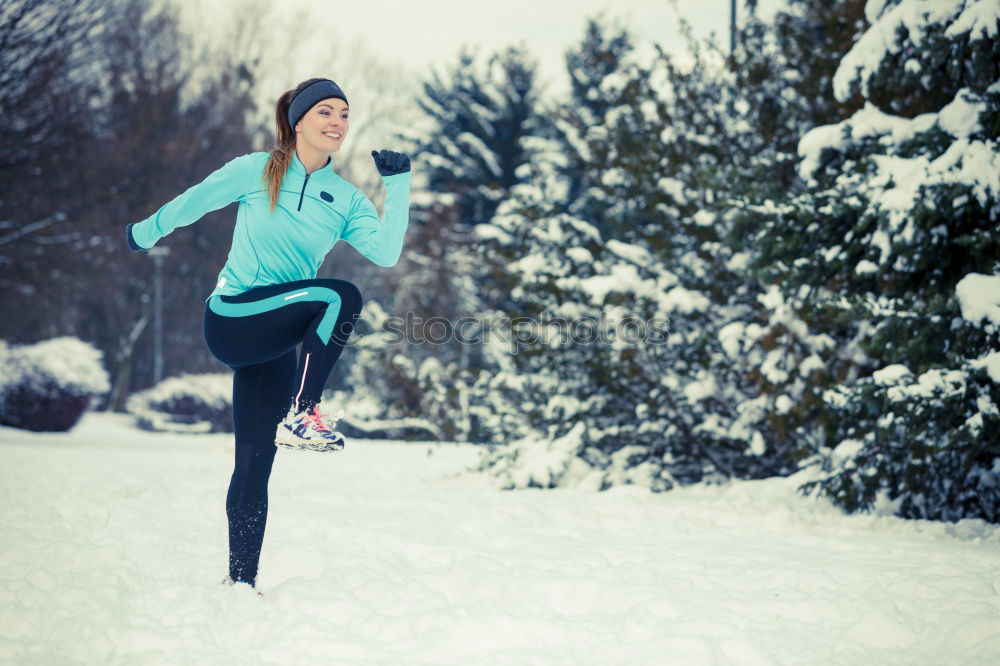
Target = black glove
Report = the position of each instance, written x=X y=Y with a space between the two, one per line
x=389 y=163
x=132 y=245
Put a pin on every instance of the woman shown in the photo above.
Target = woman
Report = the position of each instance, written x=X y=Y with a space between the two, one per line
x=293 y=208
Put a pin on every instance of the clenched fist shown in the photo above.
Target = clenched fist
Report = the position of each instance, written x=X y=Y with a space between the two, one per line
x=390 y=163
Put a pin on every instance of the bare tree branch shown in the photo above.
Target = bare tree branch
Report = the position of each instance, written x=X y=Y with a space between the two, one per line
x=32 y=228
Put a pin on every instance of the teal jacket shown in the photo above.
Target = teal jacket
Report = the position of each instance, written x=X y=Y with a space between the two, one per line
x=313 y=212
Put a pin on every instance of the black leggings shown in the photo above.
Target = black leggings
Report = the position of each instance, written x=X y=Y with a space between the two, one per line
x=255 y=333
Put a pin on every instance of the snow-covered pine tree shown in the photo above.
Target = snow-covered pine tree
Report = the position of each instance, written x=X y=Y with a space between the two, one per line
x=781 y=74
x=901 y=209
x=643 y=242
x=592 y=68
x=478 y=129
x=389 y=382
x=481 y=117
x=783 y=70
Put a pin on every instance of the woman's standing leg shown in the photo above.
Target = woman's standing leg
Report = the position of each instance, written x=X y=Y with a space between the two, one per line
x=255 y=334
x=260 y=398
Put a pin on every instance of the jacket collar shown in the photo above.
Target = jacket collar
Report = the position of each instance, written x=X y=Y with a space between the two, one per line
x=299 y=169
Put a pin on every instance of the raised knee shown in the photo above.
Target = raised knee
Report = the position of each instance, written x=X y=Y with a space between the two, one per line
x=350 y=297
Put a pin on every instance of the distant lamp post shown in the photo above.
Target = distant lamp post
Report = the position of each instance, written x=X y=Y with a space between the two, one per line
x=158 y=254
x=752 y=6
x=732 y=28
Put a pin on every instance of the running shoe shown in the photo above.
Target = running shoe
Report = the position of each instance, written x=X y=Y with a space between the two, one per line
x=310 y=430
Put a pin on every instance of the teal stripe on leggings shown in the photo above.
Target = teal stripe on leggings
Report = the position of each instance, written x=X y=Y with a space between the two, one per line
x=325 y=328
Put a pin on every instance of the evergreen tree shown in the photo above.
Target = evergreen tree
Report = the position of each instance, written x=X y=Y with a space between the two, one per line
x=782 y=80
x=594 y=70
x=652 y=236
x=398 y=385
x=783 y=71
x=901 y=209
x=640 y=251
x=482 y=118
x=482 y=122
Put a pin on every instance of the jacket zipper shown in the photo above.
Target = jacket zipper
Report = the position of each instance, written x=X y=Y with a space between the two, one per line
x=303 y=193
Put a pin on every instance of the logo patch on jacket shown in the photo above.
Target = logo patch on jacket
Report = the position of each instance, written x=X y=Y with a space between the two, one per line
x=326 y=196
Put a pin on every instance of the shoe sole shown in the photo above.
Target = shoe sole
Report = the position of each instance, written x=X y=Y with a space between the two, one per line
x=297 y=444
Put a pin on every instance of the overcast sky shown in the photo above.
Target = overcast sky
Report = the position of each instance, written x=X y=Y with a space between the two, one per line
x=341 y=40
x=430 y=33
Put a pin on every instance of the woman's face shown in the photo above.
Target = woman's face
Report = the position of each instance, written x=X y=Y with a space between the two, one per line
x=325 y=125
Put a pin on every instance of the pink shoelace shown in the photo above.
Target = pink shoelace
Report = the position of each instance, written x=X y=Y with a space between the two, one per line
x=316 y=418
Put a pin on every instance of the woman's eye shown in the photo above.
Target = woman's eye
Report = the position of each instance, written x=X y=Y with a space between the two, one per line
x=324 y=113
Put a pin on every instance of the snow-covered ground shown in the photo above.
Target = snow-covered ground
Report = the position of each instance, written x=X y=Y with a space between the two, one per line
x=113 y=546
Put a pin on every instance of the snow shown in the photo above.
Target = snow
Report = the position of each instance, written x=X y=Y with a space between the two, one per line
x=685 y=301
x=739 y=261
x=891 y=374
x=580 y=146
x=730 y=337
x=8 y=373
x=614 y=177
x=991 y=362
x=550 y=461
x=629 y=252
x=812 y=144
x=530 y=266
x=865 y=267
x=674 y=188
x=492 y=232
x=386 y=553
x=915 y=19
x=979 y=297
x=976 y=163
x=899 y=182
x=936 y=382
x=979 y=19
x=810 y=363
x=846 y=452
x=704 y=218
x=960 y=118
x=625 y=279
x=873 y=8
x=484 y=155
x=580 y=255
x=771 y=367
x=782 y=405
x=880 y=240
x=782 y=312
x=701 y=388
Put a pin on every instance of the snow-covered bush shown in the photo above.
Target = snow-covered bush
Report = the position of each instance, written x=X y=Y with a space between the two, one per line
x=47 y=386
x=186 y=404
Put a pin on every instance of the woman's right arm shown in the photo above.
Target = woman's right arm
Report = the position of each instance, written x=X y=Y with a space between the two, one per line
x=229 y=183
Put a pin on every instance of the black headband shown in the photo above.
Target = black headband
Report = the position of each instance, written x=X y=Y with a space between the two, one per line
x=306 y=98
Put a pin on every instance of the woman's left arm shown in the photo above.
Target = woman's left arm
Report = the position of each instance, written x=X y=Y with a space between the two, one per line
x=381 y=241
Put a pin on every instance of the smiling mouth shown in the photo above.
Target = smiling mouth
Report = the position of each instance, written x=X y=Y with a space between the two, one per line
x=332 y=135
